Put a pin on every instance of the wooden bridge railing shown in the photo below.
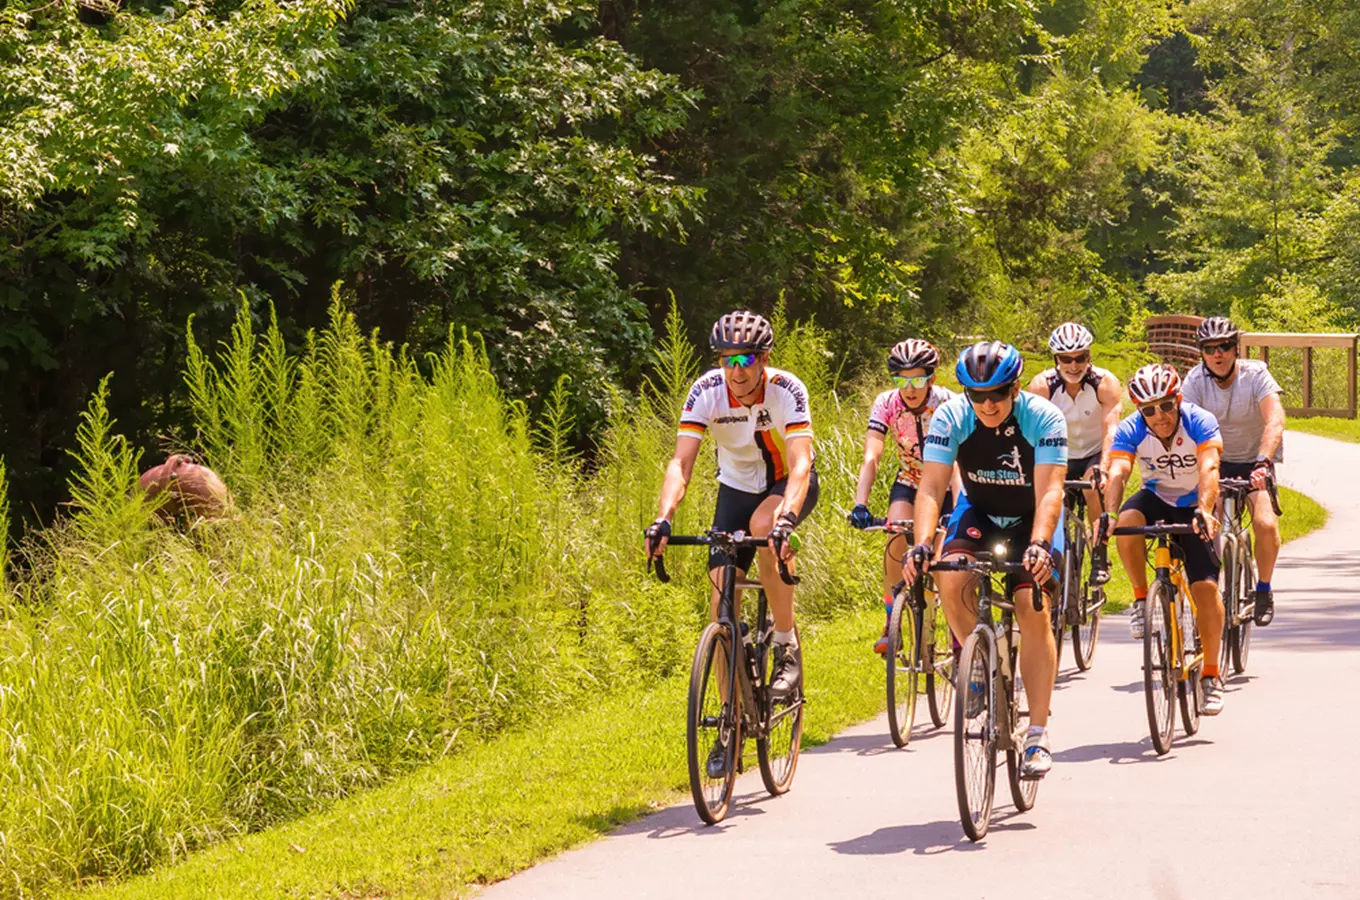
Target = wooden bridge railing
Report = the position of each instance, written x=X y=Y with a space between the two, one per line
x=1173 y=339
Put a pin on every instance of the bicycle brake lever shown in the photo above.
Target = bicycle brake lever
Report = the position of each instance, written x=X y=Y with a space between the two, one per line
x=661 y=574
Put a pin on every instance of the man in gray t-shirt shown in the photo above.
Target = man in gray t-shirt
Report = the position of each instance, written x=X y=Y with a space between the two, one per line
x=1245 y=398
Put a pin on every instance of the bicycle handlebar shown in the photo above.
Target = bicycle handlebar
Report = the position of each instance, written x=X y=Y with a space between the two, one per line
x=1079 y=485
x=725 y=541
x=1161 y=528
x=985 y=565
x=892 y=526
x=1243 y=487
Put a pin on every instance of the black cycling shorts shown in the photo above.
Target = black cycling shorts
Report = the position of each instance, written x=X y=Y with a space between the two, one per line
x=971 y=531
x=901 y=491
x=1199 y=562
x=1077 y=468
x=734 y=510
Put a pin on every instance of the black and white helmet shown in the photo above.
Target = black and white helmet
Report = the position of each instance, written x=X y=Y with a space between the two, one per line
x=742 y=330
x=913 y=353
x=1154 y=382
x=1217 y=328
x=1069 y=337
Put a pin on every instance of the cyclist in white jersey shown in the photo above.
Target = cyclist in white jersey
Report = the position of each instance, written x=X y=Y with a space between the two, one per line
x=1177 y=446
x=758 y=417
x=1089 y=398
x=1245 y=398
x=904 y=413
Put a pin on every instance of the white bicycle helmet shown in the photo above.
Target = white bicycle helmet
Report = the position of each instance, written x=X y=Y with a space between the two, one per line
x=1154 y=382
x=1069 y=337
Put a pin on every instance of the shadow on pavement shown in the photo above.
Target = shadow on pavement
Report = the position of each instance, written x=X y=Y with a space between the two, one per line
x=681 y=819
x=926 y=839
x=875 y=744
x=1124 y=752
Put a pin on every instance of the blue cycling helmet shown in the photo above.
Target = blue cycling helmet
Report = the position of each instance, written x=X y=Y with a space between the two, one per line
x=989 y=364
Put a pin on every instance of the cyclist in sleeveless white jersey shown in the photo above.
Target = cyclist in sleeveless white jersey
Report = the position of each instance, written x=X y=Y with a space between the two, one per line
x=1089 y=398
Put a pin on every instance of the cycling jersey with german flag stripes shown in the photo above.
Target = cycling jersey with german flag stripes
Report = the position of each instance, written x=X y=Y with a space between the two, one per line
x=1170 y=470
x=752 y=440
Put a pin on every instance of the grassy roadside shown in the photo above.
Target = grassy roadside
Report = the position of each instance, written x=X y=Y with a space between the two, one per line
x=527 y=795
x=1338 y=429
x=508 y=803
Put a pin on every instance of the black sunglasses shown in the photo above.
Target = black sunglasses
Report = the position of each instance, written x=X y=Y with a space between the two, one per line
x=996 y=395
x=1065 y=360
x=1211 y=349
x=1152 y=409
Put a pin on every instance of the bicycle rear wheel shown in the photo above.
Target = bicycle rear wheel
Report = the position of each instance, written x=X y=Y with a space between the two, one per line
x=903 y=669
x=1189 y=689
x=1023 y=791
x=712 y=721
x=1231 y=606
x=1159 y=679
x=975 y=736
x=1086 y=628
x=1246 y=580
x=778 y=749
x=939 y=666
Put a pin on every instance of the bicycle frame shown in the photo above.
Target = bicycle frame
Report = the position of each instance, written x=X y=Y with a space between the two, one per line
x=1170 y=572
x=1236 y=544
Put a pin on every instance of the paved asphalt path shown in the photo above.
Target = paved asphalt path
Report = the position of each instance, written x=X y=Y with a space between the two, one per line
x=1263 y=802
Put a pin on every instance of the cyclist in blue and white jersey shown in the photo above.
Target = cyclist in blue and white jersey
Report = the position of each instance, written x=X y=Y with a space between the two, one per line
x=1011 y=449
x=1177 y=447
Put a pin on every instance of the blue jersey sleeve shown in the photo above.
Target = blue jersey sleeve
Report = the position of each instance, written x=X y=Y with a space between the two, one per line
x=1045 y=427
x=1201 y=426
x=948 y=428
x=1129 y=435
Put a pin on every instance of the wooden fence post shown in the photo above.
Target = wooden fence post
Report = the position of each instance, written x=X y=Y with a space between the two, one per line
x=1307 y=377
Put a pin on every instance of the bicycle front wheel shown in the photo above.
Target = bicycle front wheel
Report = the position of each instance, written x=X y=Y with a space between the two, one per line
x=1159 y=677
x=777 y=749
x=1246 y=580
x=1086 y=627
x=903 y=669
x=975 y=735
x=939 y=666
x=714 y=726
x=1023 y=791
x=1231 y=593
x=1189 y=687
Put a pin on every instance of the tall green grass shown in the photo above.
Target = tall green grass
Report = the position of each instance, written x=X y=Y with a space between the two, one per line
x=415 y=563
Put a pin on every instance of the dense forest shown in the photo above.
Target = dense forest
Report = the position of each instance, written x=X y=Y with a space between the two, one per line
x=548 y=173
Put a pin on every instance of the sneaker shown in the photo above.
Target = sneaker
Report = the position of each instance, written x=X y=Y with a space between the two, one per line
x=1213 y=695
x=1100 y=566
x=1136 y=615
x=977 y=690
x=881 y=645
x=1037 y=759
x=716 y=767
x=788 y=671
x=1265 y=607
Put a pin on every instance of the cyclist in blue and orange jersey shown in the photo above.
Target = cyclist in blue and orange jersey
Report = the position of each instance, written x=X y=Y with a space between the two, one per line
x=758 y=417
x=904 y=413
x=1177 y=447
x=1089 y=398
x=1245 y=399
x=1011 y=448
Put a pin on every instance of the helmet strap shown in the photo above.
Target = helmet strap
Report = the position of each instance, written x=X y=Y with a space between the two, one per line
x=1222 y=379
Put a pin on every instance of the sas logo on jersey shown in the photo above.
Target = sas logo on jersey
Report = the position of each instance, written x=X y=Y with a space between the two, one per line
x=974 y=533
x=1170 y=462
x=763 y=418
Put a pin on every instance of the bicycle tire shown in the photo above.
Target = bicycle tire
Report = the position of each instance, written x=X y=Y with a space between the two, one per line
x=1231 y=594
x=1241 y=646
x=1023 y=791
x=902 y=669
x=778 y=748
x=1190 y=690
x=1158 y=678
x=1086 y=630
x=940 y=668
x=975 y=739
x=711 y=718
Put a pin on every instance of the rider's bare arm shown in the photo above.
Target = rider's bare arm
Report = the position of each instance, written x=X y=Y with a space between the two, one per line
x=1272 y=410
x=1110 y=395
x=1039 y=385
x=678 y=474
x=1048 y=497
x=868 y=470
x=1120 y=468
x=1208 y=485
x=800 y=473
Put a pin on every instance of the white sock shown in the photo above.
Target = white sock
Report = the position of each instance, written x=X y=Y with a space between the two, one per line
x=1037 y=729
x=787 y=638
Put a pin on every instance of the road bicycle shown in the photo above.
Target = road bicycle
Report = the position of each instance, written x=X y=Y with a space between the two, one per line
x=1079 y=603
x=920 y=650
x=1173 y=656
x=991 y=711
x=731 y=652
x=1239 y=572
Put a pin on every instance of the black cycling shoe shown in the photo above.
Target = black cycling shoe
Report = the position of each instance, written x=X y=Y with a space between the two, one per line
x=1100 y=565
x=716 y=767
x=788 y=672
x=1265 y=607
